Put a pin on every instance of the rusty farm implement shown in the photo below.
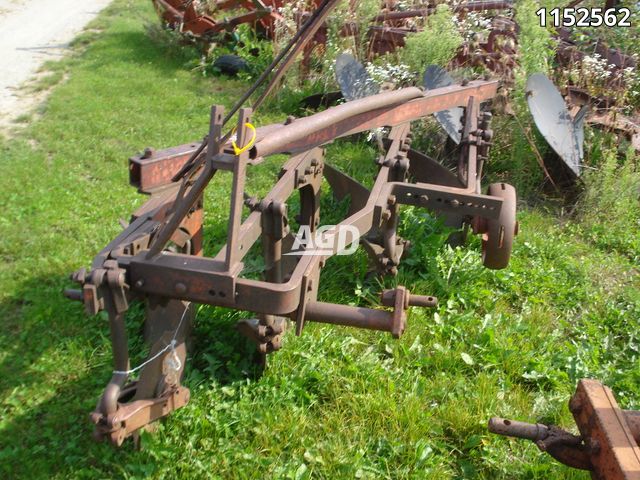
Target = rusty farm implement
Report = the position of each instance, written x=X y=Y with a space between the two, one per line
x=607 y=444
x=158 y=258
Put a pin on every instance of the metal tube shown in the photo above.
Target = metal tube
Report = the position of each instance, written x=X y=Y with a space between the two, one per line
x=273 y=259
x=513 y=428
x=109 y=401
x=386 y=109
x=73 y=294
x=359 y=317
x=304 y=127
x=422 y=301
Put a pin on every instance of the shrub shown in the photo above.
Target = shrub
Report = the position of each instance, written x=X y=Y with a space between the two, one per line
x=436 y=44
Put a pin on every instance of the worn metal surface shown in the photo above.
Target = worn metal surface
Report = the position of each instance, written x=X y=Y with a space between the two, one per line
x=451 y=120
x=152 y=170
x=382 y=110
x=157 y=258
x=564 y=133
x=353 y=79
x=608 y=442
x=614 y=451
x=186 y=16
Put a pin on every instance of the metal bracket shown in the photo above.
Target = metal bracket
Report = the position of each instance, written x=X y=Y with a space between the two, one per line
x=131 y=417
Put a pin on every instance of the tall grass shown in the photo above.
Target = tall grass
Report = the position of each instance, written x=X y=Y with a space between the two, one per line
x=609 y=209
x=435 y=44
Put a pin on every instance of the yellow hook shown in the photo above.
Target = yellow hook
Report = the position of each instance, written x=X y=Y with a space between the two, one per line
x=237 y=150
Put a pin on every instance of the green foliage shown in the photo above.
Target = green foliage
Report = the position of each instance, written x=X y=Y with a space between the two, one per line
x=512 y=158
x=609 y=208
x=246 y=44
x=519 y=147
x=535 y=44
x=435 y=44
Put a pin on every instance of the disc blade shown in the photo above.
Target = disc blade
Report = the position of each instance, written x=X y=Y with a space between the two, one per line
x=451 y=119
x=353 y=78
x=551 y=116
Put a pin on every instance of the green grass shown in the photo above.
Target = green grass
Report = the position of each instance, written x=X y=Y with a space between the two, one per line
x=334 y=403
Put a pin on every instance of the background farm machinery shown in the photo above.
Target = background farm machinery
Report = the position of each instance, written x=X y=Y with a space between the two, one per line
x=192 y=18
x=386 y=31
x=495 y=51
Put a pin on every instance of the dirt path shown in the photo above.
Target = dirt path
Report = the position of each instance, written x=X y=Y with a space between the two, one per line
x=32 y=32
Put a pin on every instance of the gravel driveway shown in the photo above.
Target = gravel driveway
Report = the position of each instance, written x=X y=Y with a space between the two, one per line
x=32 y=32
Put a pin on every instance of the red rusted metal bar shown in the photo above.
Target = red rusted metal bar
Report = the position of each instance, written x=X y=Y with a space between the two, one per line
x=152 y=170
x=615 y=453
x=358 y=317
x=384 y=109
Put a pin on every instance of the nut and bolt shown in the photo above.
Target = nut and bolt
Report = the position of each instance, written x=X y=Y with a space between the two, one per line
x=148 y=153
x=575 y=405
x=252 y=203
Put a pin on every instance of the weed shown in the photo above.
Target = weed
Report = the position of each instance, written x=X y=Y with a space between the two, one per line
x=610 y=207
x=436 y=44
x=536 y=49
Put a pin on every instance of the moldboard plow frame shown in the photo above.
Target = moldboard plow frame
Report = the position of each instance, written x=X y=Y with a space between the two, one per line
x=158 y=257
